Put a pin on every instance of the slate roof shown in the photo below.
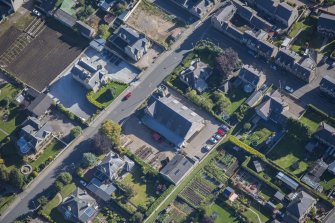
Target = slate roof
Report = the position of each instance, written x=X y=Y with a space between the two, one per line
x=279 y=195
x=243 y=10
x=32 y=134
x=64 y=17
x=258 y=41
x=226 y=12
x=40 y=105
x=284 y=11
x=173 y=120
x=328 y=83
x=287 y=56
x=79 y=206
x=250 y=75
x=326 y=132
x=84 y=29
x=112 y=165
x=299 y=206
x=327 y=21
x=177 y=168
x=231 y=30
x=270 y=5
x=101 y=189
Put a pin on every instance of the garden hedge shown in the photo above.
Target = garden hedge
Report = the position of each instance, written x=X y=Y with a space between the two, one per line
x=245 y=147
x=159 y=200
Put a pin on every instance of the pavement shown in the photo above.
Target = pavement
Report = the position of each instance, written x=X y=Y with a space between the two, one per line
x=120 y=111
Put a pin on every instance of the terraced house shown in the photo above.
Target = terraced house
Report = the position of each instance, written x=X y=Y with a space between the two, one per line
x=303 y=68
x=326 y=25
x=327 y=86
x=197 y=7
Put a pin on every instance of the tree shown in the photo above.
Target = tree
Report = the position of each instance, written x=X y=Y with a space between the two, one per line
x=221 y=102
x=113 y=132
x=4 y=174
x=89 y=159
x=128 y=191
x=4 y=103
x=297 y=129
x=43 y=200
x=16 y=178
x=247 y=126
x=137 y=217
x=59 y=185
x=65 y=178
x=102 y=143
x=103 y=31
x=76 y=131
x=226 y=62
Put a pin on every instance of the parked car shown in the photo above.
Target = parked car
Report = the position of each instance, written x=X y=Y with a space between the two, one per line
x=83 y=183
x=217 y=136
x=206 y=147
x=127 y=96
x=213 y=140
x=36 y=12
x=221 y=132
x=289 y=89
x=224 y=127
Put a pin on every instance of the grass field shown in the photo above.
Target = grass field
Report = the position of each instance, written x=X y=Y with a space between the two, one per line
x=237 y=96
x=105 y=95
x=68 y=6
x=222 y=214
x=288 y=151
x=312 y=119
x=259 y=136
x=142 y=189
x=50 y=209
x=50 y=151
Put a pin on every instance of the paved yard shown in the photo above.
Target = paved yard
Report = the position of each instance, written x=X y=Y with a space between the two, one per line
x=72 y=95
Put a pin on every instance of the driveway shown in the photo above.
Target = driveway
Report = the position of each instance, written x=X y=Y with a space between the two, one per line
x=72 y=95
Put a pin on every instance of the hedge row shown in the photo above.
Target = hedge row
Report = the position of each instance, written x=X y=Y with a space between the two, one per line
x=245 y=147
x=140 y=162
x=159 y=200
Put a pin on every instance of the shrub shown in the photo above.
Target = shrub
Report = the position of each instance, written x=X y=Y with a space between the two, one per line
x=16 y=178
x=76 y=131
x=245 y=147
x=43 y=200
x=159 y=200
x=65 y=178
x=89 y=159
x=34 y=174
x=80 y=172
x=247 y=126
x=59 y=185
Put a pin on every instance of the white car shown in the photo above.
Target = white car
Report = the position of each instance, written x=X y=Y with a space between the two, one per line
x=83 y=183
x=289 y=89
x=217 y=136
x=213 y=140
x=36 y=12
x=207 y=147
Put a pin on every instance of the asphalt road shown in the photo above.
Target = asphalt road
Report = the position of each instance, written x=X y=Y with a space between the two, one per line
x=119 y=111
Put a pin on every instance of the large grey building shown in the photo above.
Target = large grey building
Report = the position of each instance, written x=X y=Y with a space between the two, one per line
x=172 y=120
x=177 y=168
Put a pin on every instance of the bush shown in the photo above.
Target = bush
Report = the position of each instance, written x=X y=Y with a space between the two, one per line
x=137 y=217
x=65 y=178
x=80 y=172
x=247 y=126
x=43 y=200
x=89 y=159
x=76 y=131
x=34 y=174
x=158 y=201
x=59 y=185
x=16 y=178
x=245 y=147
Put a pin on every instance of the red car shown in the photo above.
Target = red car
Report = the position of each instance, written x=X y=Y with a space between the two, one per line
x=221 y=132
x=127 y=96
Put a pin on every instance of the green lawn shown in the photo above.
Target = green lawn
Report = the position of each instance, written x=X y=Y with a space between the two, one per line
x=237 y=96
x=69 y=7
x=50 y=208
x=142 y=189
x=50 y=151
x=5 y=201
x=106 y=94
x=312 y=119
x=288 y=151
x=8 y=91
x=259 y=135
x=223 y=215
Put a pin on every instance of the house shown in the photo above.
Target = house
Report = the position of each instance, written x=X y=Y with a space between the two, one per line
x=106 y=5
x=326 y=25
x=79 y=207
x=310 y=146
x=102 y=189
x=303 y=68
x=65 y=18
x=98 y=44
x=195 y=75
x=279 y=11
x=331 y=167
x=177 y=168
x=256 y=41
x=287 y=181
x=299 y=207
x=84 y=29
x=132 y=43
x=271 y=207
x=275 y=108
x=327 y=86
x=34 y=136
x=251 y=78
x=198 y=8
x=312 y=177
x=230 y=194
x=172 y=120
x=39 y=106
x=112 y=166
x=226 y=12
x=89 y=73
x=325 y=134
